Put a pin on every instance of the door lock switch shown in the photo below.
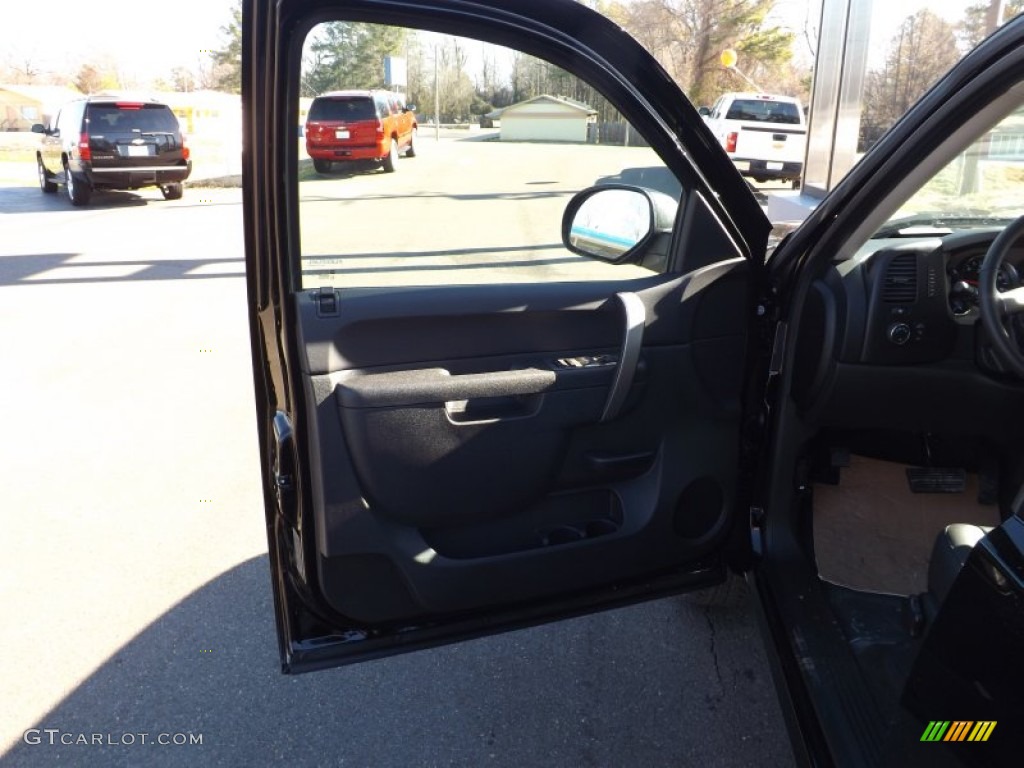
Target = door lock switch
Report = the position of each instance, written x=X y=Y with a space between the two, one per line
x=586 y=361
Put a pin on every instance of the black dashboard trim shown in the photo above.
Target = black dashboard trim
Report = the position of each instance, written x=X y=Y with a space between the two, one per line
x=949 y=398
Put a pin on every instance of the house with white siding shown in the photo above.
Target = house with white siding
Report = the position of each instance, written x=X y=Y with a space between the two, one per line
x=546 y=118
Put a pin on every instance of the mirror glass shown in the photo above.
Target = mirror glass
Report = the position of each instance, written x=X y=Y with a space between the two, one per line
x=610 y=222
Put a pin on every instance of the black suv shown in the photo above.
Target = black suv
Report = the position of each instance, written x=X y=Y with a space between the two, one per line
x=109 y=143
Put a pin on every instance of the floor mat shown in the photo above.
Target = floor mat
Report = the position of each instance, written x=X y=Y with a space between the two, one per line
x=872 y=533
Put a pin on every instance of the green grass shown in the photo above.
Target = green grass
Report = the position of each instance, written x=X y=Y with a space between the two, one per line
x=306 y=173
x=217 y=182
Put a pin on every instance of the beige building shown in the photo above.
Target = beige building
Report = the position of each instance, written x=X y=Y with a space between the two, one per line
x=21 y=106
x=546 y=118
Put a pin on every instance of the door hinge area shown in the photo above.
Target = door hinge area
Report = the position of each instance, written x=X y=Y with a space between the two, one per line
x=284 y=468
x=286 y=489
x=757 y=530
x=778 y=349
x=297 y=554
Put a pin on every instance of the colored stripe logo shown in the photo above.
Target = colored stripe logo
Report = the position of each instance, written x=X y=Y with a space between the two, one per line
x=958 y=730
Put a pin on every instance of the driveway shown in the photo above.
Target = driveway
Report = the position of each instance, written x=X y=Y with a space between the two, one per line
x=135 y=587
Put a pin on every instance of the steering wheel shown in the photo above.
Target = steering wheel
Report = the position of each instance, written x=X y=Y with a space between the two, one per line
x=1001 y=311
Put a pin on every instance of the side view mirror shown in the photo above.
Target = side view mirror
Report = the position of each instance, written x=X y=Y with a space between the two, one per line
x=410 y=107
x=704 y=111
x=38 y=128
x=612 y=222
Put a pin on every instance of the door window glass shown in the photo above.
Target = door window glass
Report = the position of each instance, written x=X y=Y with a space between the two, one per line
x=463 y=203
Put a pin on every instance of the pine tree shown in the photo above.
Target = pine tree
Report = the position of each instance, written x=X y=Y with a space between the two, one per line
x=348 y=54
x=227 y=70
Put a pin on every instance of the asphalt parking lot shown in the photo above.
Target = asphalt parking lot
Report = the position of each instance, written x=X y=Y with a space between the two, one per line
x=135 y=589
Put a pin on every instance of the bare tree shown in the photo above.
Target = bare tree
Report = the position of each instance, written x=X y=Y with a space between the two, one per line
x=25 y=71
x=88 y=79
x=811 y=31
x=921 y=51
x=984 y=18
x=102 y=73
x=688 y=37
x=455 y=90
x=419 y=89
x=182 y=79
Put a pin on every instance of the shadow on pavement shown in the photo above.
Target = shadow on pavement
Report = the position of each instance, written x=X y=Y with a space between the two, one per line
x=762 y=198
x=656 y=177
x=468 y=196
x=474 y=136
x=30 y=199
x=339 y=170
x=663 y=180
x=51 y=268
x=629 y=687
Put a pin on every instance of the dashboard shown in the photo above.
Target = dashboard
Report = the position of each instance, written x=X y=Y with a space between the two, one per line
x=963 y=271
x=890 y=338
x=913 y=301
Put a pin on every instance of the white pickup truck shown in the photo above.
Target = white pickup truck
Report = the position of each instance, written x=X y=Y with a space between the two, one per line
x=765 y=135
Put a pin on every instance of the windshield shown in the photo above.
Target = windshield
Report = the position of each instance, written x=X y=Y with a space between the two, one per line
x=982 y=187
x=343 y=109
x=764 y=111
x=121 y=118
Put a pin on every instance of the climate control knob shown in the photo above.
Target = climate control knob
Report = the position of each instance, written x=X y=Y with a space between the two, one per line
x=900 y=333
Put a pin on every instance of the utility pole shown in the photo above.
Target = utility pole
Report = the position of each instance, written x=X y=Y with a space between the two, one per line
x=437 y=101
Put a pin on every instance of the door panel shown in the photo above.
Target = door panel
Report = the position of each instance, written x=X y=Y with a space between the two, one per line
x=466 y=425
x=459 y=471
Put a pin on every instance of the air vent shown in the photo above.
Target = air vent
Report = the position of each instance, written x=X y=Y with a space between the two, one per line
x=901 y=280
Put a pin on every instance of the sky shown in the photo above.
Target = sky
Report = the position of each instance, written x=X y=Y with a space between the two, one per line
x=149 y=39
x=148 y=43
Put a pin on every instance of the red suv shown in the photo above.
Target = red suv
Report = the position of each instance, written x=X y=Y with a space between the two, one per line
x=360 y=125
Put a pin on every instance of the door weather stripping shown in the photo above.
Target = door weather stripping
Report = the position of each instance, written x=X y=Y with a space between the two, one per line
x=635 y=315
x=778 y=350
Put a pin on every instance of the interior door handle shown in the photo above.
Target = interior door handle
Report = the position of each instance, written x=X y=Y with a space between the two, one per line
x=634 y=315
x=436 y=385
